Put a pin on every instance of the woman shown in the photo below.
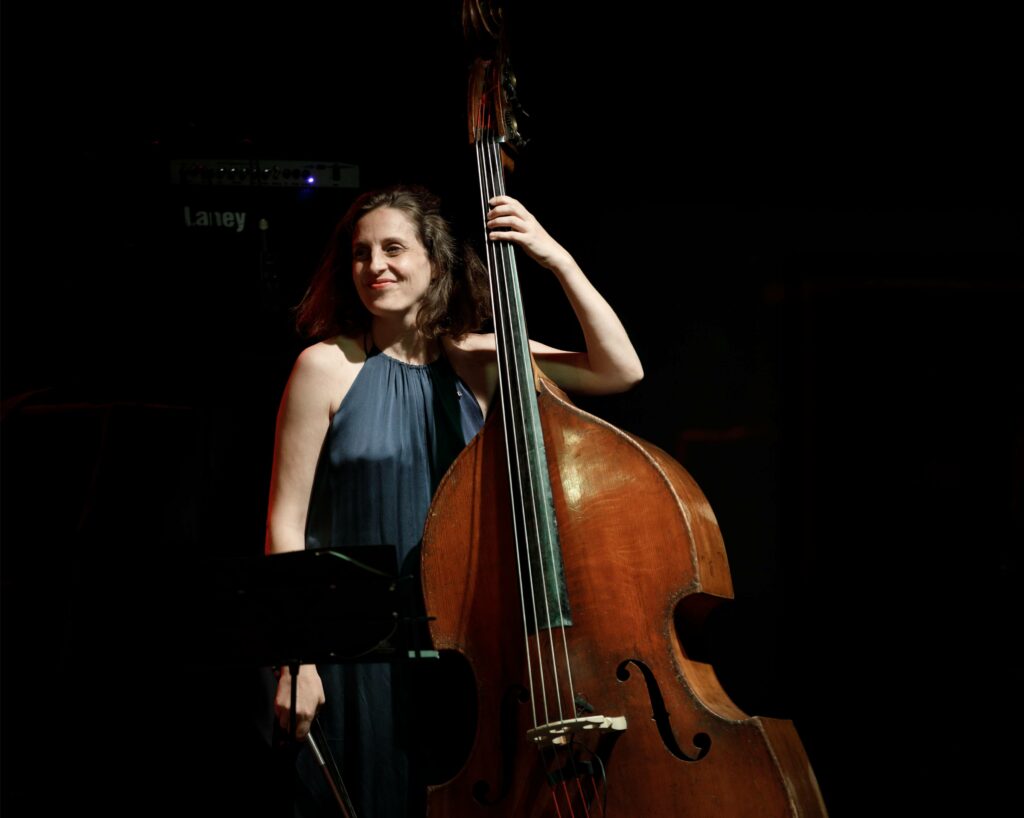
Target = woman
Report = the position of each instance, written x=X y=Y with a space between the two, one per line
x=374 y=414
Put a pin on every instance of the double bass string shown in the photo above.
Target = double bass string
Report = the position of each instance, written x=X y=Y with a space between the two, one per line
x=514 y=369
x=501 y=329
x=513 y=364
x=531 y=505
x=511 y=391
x=501 y=272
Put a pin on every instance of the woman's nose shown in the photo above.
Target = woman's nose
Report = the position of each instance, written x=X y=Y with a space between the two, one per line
x=378 y=260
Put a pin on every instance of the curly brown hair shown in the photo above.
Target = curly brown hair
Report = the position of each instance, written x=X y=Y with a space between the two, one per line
x=456 y=302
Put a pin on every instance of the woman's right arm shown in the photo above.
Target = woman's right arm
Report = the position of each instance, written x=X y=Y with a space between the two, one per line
x=302 y=422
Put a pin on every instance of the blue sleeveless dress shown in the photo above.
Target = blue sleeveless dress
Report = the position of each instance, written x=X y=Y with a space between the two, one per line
x=394 y=436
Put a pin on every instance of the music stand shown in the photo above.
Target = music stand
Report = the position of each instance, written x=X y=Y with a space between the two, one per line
x=315 y=606
x=305 y=607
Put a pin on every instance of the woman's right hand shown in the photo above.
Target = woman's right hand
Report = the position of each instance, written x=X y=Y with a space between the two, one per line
x=309 y=698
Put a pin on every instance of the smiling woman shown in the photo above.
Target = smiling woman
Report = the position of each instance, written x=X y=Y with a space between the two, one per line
x=390 y=265
x=456 y=300
x=373 y=415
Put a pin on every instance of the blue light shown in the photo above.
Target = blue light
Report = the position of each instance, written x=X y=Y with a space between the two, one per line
x=310 y=180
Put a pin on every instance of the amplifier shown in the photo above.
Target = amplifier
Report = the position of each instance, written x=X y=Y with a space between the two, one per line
x=263 y=173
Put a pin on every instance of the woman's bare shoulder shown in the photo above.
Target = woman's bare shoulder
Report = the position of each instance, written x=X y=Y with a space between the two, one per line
x=331 y=356
x=324 y=371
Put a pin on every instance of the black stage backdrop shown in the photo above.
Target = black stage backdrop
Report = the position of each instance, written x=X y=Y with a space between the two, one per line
x=811 y=227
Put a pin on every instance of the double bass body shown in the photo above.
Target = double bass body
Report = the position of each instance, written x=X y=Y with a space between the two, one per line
x=637 y=539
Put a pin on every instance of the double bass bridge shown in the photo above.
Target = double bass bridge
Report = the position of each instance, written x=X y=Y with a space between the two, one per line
x=561 y=733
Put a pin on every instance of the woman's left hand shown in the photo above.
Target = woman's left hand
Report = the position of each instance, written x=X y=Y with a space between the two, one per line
x=508 y=220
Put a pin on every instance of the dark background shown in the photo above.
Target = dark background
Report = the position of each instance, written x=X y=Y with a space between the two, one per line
x=810 y=226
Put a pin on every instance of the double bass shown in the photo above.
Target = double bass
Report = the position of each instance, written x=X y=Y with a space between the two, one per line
x=562 y=558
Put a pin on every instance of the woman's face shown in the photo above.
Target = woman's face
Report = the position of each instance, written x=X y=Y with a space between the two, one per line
x=390 y=266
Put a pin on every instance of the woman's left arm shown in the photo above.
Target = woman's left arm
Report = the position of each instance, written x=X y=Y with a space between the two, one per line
x=610 y=363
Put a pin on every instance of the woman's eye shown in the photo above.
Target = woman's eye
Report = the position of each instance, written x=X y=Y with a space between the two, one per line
x=360 y=254
x=393 y=248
